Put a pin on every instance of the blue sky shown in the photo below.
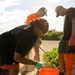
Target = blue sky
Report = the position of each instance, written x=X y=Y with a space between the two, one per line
x=14 y=12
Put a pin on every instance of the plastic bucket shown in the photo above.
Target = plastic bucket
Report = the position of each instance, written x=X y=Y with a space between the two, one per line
x=48 y=71
x=70 y=64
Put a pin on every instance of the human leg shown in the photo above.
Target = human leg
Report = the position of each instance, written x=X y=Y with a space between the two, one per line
x=61 y=62
x=25 y=67
x=36 y=49
x=61 y=50
x=14 y=71
x=37 y=57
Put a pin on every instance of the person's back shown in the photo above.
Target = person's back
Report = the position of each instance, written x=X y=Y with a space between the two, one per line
x=31 y=17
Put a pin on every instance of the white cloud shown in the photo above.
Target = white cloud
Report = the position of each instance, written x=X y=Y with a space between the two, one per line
x=2 y=7
x=11 y=2
x=53 y=1
x=11 y=19
x=7 y=3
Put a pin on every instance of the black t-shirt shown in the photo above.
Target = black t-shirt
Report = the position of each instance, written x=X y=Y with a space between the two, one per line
x=21 y=40
x=70 y=14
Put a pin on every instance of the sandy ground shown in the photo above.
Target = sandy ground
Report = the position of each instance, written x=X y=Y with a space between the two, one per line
x=47 y=46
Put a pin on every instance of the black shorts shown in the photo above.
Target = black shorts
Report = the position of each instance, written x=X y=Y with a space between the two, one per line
x=65 y=48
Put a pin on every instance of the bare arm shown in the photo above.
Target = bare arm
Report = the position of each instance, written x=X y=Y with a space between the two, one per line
x=19 y=58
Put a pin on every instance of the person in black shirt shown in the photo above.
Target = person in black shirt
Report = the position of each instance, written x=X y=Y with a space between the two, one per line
x=16 y=43
x=68 y=33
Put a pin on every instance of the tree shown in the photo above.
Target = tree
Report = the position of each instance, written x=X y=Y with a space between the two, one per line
x=53 y=35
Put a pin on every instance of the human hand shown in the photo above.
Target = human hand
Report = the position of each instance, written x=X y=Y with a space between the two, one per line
x=47 y=64
x=39 y=65
x=71 y=41
x=61 y=73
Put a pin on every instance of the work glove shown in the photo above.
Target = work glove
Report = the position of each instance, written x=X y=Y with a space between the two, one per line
x=61 y=73
x=39 y=65
x=71 y=41
x=47 y=64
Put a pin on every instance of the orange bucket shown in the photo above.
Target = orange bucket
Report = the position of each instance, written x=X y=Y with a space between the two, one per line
x=70 y=64
x=48 y=71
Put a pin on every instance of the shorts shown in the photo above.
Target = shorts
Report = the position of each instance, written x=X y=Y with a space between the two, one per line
x=65 y=48
x=62 y=46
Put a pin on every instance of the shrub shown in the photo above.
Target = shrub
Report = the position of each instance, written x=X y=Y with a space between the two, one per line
x=51 y=57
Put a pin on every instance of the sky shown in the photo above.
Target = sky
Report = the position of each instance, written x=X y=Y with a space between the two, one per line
x=14 y=12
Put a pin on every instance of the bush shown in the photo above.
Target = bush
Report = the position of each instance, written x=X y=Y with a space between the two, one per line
x=53 y=35
x=51 y=57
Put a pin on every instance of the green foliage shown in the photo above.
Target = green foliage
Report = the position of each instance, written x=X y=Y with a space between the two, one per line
x=53 y=35
x=52 y=57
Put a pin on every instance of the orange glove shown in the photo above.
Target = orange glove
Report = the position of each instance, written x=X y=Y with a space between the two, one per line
x=71 y=41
